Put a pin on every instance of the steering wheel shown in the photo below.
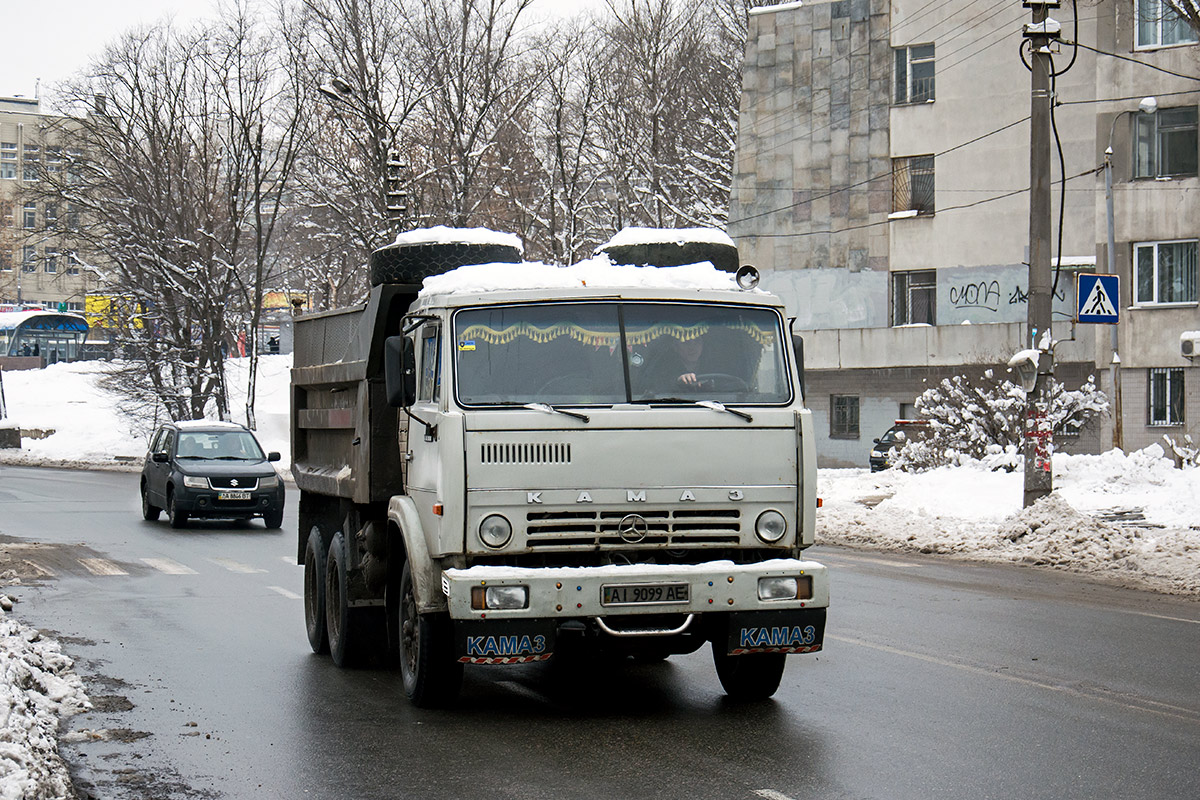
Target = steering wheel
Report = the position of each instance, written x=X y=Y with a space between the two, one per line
x=571 y=382
x=721 y=382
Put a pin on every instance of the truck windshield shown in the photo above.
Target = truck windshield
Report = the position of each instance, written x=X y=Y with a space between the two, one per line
x=608 y=352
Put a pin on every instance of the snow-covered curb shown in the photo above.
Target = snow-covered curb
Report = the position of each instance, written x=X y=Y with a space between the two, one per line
x=1122 y=518
x=38 y=688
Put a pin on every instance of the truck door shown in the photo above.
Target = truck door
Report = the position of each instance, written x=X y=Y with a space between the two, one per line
x=423 y=467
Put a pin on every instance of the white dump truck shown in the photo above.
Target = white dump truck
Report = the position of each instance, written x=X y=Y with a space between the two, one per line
x=499 y=461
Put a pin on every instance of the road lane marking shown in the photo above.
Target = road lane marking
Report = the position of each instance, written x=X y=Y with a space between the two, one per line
x=101 y=566
x=770 y=794
x=1102 y=695
x=285 y=593
x=236 y=566
x=290 y=560
x=1159 y=616
x=168 y=566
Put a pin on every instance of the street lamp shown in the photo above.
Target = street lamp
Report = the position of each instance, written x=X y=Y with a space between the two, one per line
x=395 y=207
x=1148 y=106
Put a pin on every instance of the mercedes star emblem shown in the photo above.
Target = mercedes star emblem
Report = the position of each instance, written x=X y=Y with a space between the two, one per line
x=633 y=528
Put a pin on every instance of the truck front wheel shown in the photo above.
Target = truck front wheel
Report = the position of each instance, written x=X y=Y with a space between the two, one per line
x=314 y=592
x=431 y=676
x=750 y=677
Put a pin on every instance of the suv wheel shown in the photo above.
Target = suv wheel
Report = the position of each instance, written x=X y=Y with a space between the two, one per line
x=176 y=515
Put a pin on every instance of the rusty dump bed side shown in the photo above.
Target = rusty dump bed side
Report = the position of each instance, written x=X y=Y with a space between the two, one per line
x=345 y=436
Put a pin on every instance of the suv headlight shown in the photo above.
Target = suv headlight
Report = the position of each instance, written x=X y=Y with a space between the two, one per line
x=269 y=482
x=195 y=482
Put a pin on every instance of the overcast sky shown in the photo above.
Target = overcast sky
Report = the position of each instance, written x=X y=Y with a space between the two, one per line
x=51 y=40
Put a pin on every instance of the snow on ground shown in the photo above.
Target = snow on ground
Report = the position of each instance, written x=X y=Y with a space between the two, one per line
x=1130 y=519
x=1133 y=519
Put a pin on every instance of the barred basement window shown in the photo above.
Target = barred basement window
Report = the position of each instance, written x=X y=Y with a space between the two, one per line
x=843 y=416
x=1166 y=397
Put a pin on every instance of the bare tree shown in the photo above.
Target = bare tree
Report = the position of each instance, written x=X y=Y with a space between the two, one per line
x=179 y=169
x=1186 y=10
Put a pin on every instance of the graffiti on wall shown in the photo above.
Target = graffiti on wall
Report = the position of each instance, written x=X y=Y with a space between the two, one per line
x=993 y=294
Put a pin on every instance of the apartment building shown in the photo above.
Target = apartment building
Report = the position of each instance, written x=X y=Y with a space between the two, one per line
x=37 y=263
x=881 y=185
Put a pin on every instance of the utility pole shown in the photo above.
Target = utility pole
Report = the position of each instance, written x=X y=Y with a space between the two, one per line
x=1038 y=446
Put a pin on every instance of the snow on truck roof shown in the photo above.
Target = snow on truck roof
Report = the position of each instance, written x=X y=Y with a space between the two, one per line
x=636 y=236
x=440 y=234
x=593 y=273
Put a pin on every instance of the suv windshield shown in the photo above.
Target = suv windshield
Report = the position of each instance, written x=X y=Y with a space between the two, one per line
x=608 y=352
x=212 y=445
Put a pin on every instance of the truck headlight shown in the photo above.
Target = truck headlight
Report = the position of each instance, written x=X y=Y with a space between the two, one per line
x=269 y=482
x=495 y=531
x=770 y=526
x=788 y=587
x=195 y=482
x=499 y=598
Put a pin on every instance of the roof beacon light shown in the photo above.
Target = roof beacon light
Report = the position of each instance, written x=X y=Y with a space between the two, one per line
x=746 y=277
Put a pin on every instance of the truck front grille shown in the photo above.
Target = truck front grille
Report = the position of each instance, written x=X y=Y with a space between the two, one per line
x=678 y=528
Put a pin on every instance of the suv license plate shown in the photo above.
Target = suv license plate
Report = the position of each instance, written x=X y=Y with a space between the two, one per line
x=636 y=594
x=233 y=495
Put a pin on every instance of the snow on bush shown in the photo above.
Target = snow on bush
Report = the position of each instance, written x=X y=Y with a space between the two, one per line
x=1185 y=453
x=37 y=689
x=981 y=420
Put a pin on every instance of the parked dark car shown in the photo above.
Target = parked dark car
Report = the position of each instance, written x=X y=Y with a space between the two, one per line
x=886 y=447
x=210 y=469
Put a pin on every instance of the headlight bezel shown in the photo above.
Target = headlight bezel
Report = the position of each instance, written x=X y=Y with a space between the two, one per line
x=268 y=482
x=775 y=519
x=196 y=482
x=487 y=535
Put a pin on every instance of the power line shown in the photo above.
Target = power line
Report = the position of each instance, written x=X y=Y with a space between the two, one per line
x=1132 y=60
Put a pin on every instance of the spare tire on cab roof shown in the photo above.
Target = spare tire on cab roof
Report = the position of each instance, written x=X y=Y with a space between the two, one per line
x=412 y=261
x=671 y=247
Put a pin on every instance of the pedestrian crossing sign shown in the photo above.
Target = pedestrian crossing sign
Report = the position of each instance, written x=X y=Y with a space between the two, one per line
x=1098 y=298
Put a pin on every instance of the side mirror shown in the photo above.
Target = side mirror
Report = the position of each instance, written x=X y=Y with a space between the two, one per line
x=400 y=371
x=876 y=441
x=273 y=456
x=160 y=458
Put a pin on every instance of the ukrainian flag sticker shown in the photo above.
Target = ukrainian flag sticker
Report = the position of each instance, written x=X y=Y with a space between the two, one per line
x=469 y=344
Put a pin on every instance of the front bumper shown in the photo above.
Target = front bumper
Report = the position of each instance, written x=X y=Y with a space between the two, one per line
x=207 y=503
x=566 y=592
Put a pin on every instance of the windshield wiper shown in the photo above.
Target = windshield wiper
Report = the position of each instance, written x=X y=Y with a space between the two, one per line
x=715 y=406
x=549 y=409
x=710 y=404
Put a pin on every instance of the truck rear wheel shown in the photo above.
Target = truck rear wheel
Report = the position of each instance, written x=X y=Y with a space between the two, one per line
x=314 y=592
x=339 y=617
x=750 y=677
x=431 y=676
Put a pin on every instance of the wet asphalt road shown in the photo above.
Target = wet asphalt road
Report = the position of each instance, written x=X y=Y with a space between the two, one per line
x=940 y=679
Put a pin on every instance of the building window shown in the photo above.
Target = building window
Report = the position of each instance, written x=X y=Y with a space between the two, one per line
x=1164 y=143
x=29 y=258
x=1165 y=272
x=51 y=261
x=1166 y=397
x=8 y=160
x=32 y=157
x=72 y=262
x=912 y=185
x=51 y=216
x=843 y=416
x=29 y=216
x=914 y=74
x=5 y=260
x=914 y=298
x=1159 y=26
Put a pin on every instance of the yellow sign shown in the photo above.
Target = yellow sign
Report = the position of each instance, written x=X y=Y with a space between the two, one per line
x=111 y=311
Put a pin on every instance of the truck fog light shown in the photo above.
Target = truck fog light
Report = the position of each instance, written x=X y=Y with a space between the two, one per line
x=195 y=482
x=495 y=531
x=777 y=588
x=788 y=587
x=499 y=598
x=770 y=526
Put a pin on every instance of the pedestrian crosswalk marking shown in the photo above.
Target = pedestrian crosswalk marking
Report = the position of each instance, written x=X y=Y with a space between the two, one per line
x=288 y=594
x=235 y=566
x=168 y=566
x=101 y=566
x=44 y=572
